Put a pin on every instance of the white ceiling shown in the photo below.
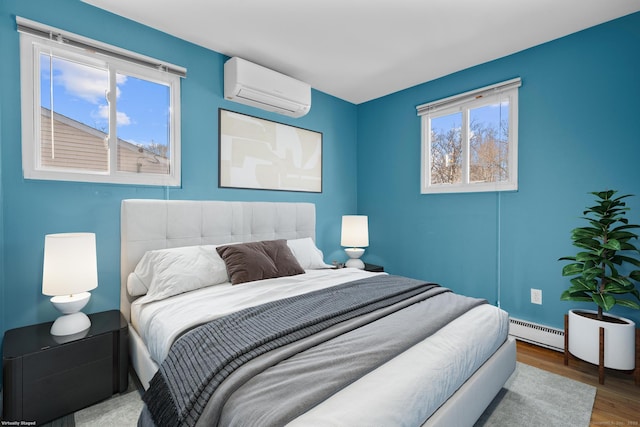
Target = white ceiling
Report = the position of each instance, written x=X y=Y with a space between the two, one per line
x=359 y=50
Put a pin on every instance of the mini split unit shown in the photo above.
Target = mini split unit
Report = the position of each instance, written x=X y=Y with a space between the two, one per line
x=255 y=85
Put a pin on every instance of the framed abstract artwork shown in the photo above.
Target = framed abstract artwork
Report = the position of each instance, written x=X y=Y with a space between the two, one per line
x=261 y=154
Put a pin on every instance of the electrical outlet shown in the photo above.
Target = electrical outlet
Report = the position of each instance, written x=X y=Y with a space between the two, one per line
x=536 y=296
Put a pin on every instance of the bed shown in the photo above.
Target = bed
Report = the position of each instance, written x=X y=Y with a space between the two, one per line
x=446 y=376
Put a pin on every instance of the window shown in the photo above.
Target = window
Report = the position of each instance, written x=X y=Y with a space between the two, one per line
x=95 y=113
x=470 y=141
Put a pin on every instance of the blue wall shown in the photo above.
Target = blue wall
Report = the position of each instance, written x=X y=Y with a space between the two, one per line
x=2 y=298
x=578 y=114
x=31 y=209
x=578 y=107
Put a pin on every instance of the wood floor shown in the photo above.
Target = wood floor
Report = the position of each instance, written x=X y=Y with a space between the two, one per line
x=617 y=401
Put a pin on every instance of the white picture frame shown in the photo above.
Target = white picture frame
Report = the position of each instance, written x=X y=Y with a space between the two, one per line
x=256 y=153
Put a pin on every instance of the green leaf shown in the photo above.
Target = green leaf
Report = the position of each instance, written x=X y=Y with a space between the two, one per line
x=612 y=244
x=606 y=222
x=630 y=260
x=566 y=296
x=625 y=227
x=635 y=275
x=612 y=268
x=585 y=232
x=624 y=246
x=605 y=301
x=616 y=213
x=619 y=209
x=623 y=236
x=598 y=210
x=619 y=285
x=578 y=297
x=572 y=269
x=595 y=223
x=606 y=195
x=628 y=303
x=592 y=273
x=587 y=243
x=581 y=284
x=617 y=199
x=587 y=256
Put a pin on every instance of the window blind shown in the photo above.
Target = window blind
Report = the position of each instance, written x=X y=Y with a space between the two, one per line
x=452 y=101
x=36 y=29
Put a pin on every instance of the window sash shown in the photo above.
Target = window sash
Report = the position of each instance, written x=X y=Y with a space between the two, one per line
x=31 y=48
x=464 y=103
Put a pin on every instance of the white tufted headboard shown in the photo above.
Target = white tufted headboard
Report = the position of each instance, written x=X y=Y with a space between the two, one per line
x=158 y=224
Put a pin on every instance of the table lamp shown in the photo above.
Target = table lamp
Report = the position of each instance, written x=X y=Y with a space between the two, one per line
x=355 y=235
x=69 y=271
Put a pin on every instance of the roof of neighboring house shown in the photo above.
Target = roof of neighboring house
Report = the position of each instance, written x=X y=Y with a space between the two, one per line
x=140 y=150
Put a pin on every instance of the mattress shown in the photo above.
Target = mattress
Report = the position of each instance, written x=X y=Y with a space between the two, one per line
x=444 y=360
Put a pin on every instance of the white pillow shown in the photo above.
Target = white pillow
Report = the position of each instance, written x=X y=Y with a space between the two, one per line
x=166 y=272
x=308 y=255
x=135 y=286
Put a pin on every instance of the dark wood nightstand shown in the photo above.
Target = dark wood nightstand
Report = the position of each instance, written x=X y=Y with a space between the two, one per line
x=45 y=378
x=373 y=268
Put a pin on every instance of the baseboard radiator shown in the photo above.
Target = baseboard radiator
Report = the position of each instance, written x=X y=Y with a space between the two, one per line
x=537 y=334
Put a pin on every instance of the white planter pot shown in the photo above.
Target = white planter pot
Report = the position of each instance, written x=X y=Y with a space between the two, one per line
x=619 y=340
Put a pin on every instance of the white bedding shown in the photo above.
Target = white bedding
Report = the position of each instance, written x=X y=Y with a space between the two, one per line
x=159 y=323
x=444 y=361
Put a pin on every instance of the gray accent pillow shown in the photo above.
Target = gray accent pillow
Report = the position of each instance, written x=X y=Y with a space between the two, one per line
x=266 y=259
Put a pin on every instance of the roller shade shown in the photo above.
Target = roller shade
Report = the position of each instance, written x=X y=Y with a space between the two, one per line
x=45 y=32
x=452 y=101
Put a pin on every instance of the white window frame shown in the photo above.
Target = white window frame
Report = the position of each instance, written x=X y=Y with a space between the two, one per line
x=464 y=103
x=115 y=60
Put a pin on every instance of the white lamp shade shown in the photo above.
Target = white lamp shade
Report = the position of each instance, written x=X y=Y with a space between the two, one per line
x=355 y=231
x=70 y=264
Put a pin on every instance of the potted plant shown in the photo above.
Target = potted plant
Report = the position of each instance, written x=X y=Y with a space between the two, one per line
x=597 y=276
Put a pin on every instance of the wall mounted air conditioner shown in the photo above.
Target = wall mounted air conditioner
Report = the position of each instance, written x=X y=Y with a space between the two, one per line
x=255 y=85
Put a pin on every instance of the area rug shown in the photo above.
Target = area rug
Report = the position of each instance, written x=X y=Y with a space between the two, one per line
x=533 y=397
x=122 y=410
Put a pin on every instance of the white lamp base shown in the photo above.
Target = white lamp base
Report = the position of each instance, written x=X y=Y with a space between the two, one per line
x=70 y=324
x=73 y=320
x=354 y=260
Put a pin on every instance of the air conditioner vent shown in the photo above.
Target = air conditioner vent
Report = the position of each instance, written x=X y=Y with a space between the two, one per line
x=255 y=85
x=268 y=102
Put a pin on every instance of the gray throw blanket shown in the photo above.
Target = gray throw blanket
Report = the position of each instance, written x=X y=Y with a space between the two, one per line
x=204 y=357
